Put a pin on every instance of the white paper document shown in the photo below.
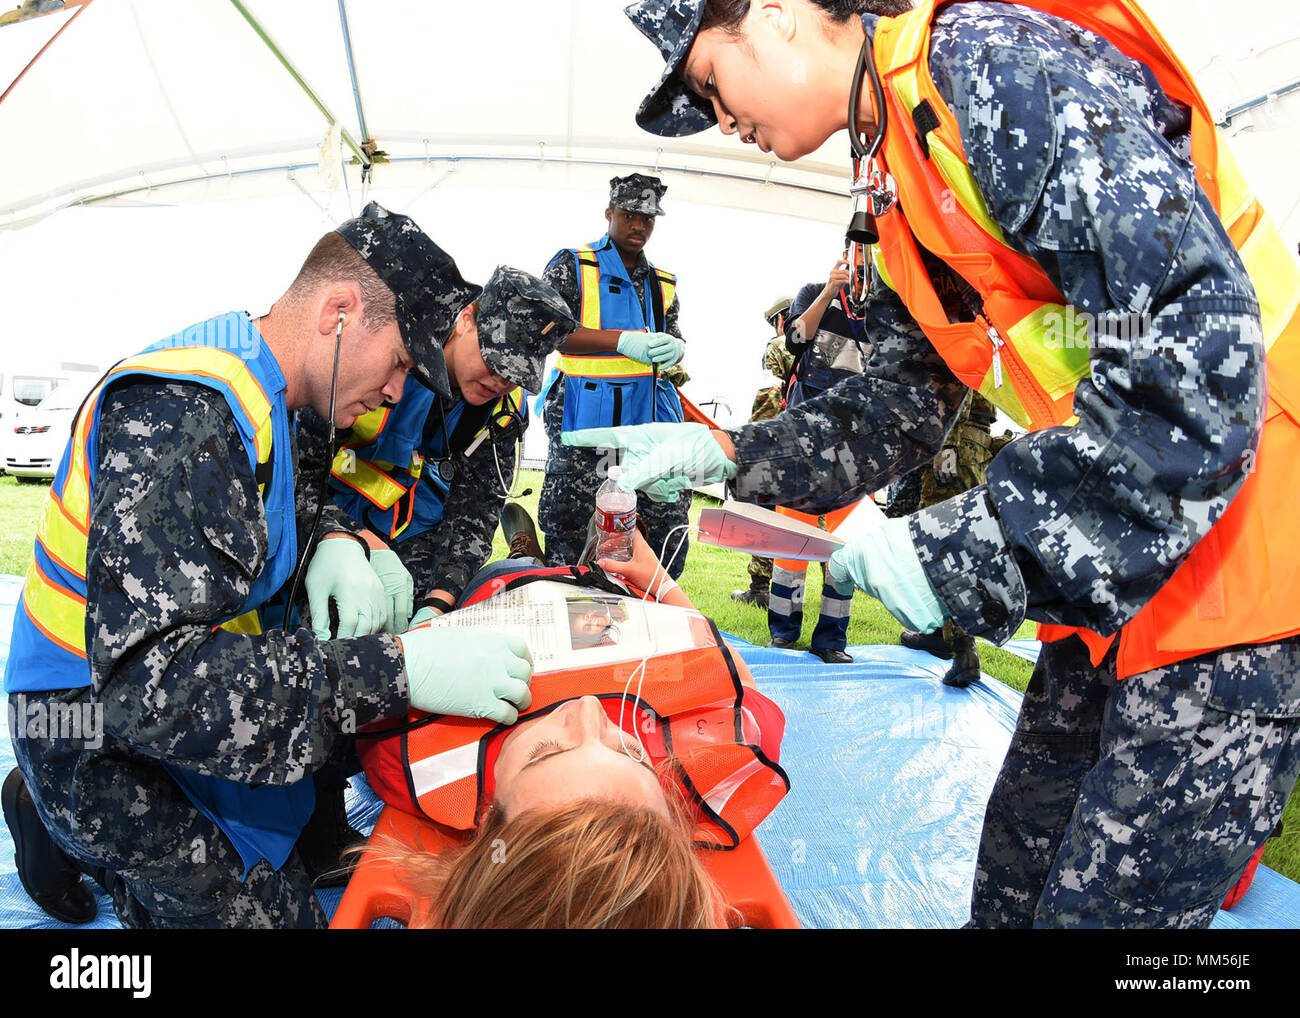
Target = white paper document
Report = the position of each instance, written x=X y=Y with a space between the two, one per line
x=575 y=627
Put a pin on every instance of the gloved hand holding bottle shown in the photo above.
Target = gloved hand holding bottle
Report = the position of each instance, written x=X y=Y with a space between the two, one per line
x=651 y=348
x=663 y=460
x=470 y=673
x=883 y=562
x=340 y=572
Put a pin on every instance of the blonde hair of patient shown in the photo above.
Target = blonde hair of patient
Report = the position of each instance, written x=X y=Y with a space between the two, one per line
x=591 y=864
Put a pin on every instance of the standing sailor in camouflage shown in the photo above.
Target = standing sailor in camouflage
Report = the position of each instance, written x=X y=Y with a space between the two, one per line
x=1064 y=231
x=778 y=362
x=829 y=343
x=426 y=478
x=171 y=524
x=611 y=369
x=960 y=466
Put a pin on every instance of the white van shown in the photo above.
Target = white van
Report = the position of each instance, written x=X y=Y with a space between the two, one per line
x=18 y=391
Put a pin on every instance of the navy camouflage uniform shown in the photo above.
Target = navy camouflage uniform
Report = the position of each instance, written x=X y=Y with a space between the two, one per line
x=170 y=552
x=1137 y=803
x=812 y=373
x=768 y=402
x=573 y=474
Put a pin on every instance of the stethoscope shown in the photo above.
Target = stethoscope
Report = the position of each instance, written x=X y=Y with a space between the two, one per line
x=873 y=190
x=445 y=465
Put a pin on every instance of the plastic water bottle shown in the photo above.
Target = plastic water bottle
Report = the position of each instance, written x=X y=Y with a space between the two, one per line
x=615 y=519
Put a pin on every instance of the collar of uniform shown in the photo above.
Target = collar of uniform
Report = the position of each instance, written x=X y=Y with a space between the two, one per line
x=642 y=266
x=274 y=376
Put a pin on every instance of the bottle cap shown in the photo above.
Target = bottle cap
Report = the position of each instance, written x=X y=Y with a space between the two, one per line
x=615 y=472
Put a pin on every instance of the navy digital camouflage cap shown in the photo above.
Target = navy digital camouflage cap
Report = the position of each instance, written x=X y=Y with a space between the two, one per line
x=671 y=110
x=428 y=289
x=521 y=319
x=637 y=192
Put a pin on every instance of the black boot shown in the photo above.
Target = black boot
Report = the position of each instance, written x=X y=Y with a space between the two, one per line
x=966 y=662
x=834 y=656
x=323 y=843
x=932 y=643
x=780 y=643
x=49 y=877
x=756 y=594
x=520 y=533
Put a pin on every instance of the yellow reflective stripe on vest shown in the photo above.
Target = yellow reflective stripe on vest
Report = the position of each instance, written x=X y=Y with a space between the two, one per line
x=62 y=538
x=1055 y=345
x=366 y=427
x=75 y=496
x=1273 y=270
x=219 y=365
x=589 y=287
x=668 y=284
x=951 y=166
x=56 y=611
x=604 y=367
x=364 y=477
x=249 y=624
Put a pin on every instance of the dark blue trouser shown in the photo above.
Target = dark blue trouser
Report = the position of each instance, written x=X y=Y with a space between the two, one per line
x=785 y=611
x=1138 y=803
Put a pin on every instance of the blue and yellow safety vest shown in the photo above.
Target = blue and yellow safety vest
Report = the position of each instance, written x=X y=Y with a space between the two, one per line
x=607 y=389
x=387 y=477
x=48 y=649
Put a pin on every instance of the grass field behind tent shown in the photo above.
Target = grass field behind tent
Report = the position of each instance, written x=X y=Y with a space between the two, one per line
x=710 y=577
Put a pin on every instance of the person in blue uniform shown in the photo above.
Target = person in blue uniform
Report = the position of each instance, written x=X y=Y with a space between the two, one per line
x=611 y=369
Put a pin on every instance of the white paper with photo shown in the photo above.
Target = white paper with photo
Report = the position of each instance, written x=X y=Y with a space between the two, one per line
x=573 y=627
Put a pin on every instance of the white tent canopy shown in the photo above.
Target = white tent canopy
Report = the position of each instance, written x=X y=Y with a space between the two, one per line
x=157 y=101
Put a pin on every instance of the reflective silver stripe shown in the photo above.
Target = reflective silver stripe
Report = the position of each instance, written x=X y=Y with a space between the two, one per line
x=721 y=793
x=436 y=771
x=835 y=607
x=781 y=605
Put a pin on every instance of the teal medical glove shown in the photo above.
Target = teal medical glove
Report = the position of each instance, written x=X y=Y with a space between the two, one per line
x=651 y=348
x=425 y=614
x=339 y=572
x=398 y=586
x=471 y=673
x=663 y=460
x=883 y=562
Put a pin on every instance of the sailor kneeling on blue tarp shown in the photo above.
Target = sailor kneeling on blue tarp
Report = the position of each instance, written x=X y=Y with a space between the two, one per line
x=170 y=527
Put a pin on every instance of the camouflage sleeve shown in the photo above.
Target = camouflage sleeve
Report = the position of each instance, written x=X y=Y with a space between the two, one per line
x=177 y=536
x=562 y=274
x=1081 y=525
x=313 y=456
x=462 y=543
x=859 y=435
x=794 y=342
x=670 y=318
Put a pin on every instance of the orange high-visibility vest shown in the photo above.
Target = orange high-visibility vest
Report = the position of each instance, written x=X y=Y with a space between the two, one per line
x=1241 y=582
x=697 y=709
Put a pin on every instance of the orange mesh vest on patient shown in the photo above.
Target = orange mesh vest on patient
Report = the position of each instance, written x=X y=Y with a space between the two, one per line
x=697 y=708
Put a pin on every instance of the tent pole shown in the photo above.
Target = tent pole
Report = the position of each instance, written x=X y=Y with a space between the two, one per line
x=42 y=50
x=352 y=72
x=357 y=150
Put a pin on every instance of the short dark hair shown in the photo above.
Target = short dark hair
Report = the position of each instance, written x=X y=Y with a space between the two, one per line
x=728 y=14
x=334 y=259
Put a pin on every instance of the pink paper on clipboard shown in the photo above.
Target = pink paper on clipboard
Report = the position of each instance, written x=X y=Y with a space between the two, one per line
x=758 y=531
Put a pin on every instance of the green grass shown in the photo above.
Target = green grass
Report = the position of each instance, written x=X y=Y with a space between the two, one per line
x=20 y=511
x=710 y=577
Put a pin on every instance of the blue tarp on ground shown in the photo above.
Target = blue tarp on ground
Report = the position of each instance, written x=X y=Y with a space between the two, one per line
x=889 y=769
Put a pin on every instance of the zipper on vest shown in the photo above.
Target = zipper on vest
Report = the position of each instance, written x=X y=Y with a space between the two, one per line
x=998 y=344
x=1027 y=389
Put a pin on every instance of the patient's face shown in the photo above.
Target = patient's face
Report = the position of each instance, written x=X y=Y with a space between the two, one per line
x=574 y=752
